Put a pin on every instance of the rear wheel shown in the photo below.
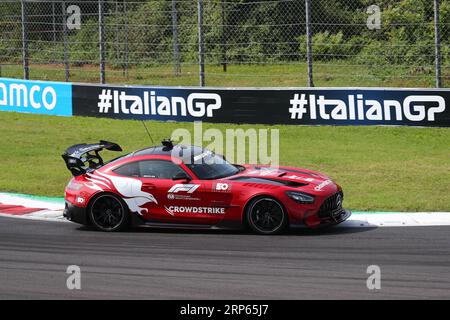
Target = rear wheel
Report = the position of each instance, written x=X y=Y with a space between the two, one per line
x=108 y=212
x=266 y=216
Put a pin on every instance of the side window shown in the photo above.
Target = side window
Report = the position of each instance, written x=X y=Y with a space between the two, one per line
x=128 y=170
x=158 y=169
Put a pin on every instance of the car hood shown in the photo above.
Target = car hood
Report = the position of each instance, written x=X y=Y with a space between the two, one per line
x=306 y=180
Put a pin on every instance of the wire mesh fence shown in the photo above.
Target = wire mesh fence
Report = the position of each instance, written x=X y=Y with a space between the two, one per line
x=228 y=43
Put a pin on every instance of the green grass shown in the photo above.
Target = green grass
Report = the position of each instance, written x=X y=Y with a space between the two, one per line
x=326 y=74
x=380 y=168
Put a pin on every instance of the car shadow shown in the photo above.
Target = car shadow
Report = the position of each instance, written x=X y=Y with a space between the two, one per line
x=338 y=230
x=292 y=231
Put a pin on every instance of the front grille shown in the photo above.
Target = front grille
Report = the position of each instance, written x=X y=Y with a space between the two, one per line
x=330 y=205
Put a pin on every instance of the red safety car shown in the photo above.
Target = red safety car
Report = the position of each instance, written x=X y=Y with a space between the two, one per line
x=191 y=187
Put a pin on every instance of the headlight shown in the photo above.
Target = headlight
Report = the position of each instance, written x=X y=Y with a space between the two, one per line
x=300 y=197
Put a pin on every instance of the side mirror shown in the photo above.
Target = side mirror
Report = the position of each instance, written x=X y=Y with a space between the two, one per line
x=181 y=176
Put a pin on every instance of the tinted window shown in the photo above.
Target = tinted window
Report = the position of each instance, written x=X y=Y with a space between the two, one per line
x=128 y=170
x=158 y=169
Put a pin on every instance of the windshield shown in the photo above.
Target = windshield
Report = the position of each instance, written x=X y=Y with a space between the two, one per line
x=208 y=166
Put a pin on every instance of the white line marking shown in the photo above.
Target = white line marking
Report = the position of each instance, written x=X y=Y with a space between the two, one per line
x=398 y=219
x=30 y=203
x=45 y=215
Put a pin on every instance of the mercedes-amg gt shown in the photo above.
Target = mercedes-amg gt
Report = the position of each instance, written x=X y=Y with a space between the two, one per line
x=181 y=186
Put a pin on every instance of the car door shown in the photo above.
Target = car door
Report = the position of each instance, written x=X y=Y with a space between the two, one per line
x=156 y=177
x=196 y=202
x=183 y=200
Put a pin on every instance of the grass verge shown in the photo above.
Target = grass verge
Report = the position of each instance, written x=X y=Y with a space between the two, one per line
x=380 y=168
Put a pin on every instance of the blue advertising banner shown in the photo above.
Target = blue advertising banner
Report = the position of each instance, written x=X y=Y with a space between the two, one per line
x=40 y=97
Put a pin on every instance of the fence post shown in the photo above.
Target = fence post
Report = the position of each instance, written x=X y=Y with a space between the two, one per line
x=54 y=31
x=437 y=44
x=66 y=58
x=101 y=35
x=125 y=70
x=308 y=43
x=224 y=41
x=116 y=20
x=176 y=51
x=25 y=57
x=201 y=45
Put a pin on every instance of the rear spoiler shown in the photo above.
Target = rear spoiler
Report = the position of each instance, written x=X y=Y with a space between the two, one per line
x=79 y=157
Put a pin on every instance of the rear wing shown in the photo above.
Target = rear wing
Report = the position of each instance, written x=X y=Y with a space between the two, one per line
x=80 y=158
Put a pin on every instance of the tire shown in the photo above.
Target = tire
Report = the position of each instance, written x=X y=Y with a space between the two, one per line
x=107 y=212
x=266 y=215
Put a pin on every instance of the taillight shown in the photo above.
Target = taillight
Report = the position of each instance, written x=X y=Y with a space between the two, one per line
x=73 y=185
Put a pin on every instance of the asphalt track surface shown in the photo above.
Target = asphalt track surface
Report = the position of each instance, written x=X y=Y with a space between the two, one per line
x=172 y=264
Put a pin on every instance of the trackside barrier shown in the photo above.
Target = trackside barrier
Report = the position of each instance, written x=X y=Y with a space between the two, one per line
x=294 y=106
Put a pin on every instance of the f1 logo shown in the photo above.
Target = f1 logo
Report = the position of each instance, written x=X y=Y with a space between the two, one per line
x=189 y=188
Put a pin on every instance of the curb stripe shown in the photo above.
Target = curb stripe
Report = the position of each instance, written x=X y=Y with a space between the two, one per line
x=16 y=209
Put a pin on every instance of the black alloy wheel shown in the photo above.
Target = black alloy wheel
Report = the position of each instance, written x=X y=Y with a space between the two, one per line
x=266 y=216
x=108 y=213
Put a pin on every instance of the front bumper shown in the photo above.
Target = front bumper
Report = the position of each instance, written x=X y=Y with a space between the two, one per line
x=335 y=218
x=75 y=214
x=340 y=217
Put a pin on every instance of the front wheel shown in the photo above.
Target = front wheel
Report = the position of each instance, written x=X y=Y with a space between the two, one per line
x=108 y=212
x=266 y=216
